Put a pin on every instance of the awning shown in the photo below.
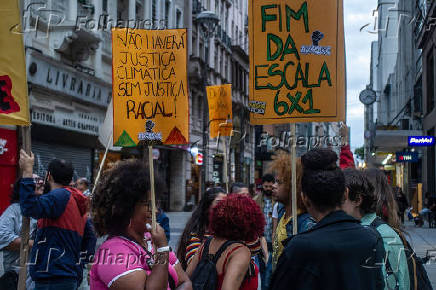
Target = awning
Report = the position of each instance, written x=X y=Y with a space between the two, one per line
x=393 y=140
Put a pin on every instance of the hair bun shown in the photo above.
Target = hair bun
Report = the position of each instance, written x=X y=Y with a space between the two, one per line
x=320 y=159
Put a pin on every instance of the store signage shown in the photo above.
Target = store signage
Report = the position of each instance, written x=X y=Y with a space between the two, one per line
x=217 y=174
x=78 y=121
x=66 y=80
x=199 y=159
x=407 y=157
x=421 y=141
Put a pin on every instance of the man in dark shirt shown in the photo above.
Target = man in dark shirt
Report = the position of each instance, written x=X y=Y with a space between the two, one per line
x=337 y=253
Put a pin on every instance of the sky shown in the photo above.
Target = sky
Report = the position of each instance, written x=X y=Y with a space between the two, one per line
x=357 y=13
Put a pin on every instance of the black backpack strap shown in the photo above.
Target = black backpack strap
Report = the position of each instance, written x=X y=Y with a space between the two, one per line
x=222 y=249
x=377 y=222
x=205 y=249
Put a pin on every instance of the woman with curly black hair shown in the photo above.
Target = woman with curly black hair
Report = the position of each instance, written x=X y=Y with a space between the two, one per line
x=235 y=219
x=338 y=252
x=196 y=230
x=121 y=209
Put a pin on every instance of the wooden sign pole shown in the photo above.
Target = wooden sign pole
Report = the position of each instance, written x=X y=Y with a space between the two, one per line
x=25 y=223
x=153 y=195
x=101 y=164
x=294 y=179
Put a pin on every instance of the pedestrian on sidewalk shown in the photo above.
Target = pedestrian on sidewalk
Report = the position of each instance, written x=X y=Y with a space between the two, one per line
x=402 y=202
x=163 y=220
x=65 y=239
x=429 y=211
x=240 y=188
x=10 y=230
x=331 y=255
x=83 y=184
x=235 y=219
x=121 y=209
x=196 y=229
x=281 y=165
x=266 y=204
x=360 y=202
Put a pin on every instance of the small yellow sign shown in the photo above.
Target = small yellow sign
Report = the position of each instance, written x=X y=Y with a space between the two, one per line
x=297 y=61
x=14 y=101
x=150 y=88
x=220 y=110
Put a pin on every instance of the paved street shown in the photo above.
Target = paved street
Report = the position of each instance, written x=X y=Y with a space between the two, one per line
x=423 y=241
x=178 y=221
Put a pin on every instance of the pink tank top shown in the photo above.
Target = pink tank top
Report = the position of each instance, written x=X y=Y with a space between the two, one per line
x=119 y=256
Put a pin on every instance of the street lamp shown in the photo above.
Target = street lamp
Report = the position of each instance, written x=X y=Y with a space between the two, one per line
x=207 y=22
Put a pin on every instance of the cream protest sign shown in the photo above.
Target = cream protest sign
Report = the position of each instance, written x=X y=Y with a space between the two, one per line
x=150 y=90
x=297 y=67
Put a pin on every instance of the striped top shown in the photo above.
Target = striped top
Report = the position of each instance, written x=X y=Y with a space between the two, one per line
x=193 y=246
x=195 y=243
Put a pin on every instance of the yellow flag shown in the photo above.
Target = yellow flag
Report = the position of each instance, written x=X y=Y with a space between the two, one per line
x=220 y=110
x=150 y=89
x=14 y=101
x=297 y=61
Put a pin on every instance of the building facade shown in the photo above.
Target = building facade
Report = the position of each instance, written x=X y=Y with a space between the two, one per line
x=426 y=42
x=395 y=74
x=221 y=59
x=69 y=67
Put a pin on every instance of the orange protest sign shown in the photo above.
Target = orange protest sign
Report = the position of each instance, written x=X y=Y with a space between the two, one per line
x=14 y=101
x=297 y=61
x=220 y=110
x=150 y=90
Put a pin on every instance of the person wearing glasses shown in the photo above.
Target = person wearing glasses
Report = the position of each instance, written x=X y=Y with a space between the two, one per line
x=134 y=255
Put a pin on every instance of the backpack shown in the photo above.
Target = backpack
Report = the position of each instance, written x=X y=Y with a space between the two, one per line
x=205 y=276
x=417 y=274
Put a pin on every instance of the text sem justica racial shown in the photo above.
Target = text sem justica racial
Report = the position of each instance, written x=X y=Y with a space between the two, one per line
x=147 y=69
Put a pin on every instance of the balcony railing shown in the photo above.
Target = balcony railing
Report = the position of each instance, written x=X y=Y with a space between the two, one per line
x=197 y=7
x=223 y=36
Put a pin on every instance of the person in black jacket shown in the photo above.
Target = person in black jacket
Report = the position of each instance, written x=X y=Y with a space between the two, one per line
x=337 y=253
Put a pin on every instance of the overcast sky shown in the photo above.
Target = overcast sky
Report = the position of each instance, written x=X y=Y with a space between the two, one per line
x=357 y=13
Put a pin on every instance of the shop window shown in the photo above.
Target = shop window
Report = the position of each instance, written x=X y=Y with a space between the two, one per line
x=430 y=82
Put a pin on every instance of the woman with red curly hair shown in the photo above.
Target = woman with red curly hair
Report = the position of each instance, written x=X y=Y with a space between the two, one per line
x=235 y=219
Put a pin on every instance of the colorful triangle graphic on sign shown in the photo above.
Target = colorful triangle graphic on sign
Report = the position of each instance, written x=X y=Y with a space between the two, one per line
x=125 y=140
x=175 y=137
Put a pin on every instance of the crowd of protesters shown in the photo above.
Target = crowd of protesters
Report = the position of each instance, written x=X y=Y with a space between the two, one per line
x=349 y=231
